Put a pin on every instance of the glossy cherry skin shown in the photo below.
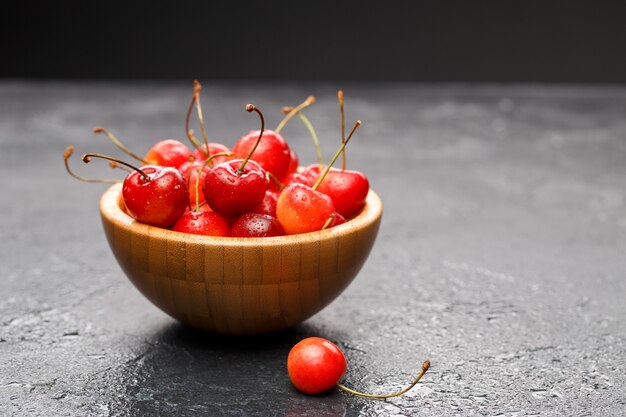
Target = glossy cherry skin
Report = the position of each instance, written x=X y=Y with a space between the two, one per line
x=291 y=178
x=294 y=162
x=199 y=155
x=168 y=153
x=202 y=223
x=268 y=204
x=272 y=153
x=256 y=225
x=315 y=365
x=190 y=171
x=312 y=172
x=204 y=207
x=336 y=220
x=301 y=209
x=159 y=200
x=348 y=189
x=232 y=193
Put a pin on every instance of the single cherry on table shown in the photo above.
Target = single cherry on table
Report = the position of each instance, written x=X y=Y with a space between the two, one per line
x=315 y=365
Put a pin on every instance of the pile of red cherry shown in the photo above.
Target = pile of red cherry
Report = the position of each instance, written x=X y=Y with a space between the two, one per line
x=255 y=189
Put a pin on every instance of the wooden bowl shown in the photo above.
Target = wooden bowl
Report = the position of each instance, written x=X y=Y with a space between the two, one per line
x=239 y=285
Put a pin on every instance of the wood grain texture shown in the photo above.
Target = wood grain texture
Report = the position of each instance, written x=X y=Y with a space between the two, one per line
x=239 y=285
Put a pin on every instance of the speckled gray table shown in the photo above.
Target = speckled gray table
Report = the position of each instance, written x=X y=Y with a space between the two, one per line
x=501 y=256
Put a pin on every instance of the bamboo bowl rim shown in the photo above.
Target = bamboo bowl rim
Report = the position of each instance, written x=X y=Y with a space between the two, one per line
x=112 y=208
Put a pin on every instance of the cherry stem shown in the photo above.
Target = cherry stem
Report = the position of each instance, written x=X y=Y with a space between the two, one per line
x=115 y=165
x=425 y=367
x=197 y=87
x=343 y=129
x=341 y=148
x=272 y=177
x=193 y=139
x=118 y=143
x=66 y=156
x=188 y=132
x=306 y=103
x=87 y=158
x=328 y=221
x=309 y=126
x=206 y=161
x=251 y=108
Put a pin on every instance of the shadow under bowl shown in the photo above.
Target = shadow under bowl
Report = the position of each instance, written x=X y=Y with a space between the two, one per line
x=239 y=285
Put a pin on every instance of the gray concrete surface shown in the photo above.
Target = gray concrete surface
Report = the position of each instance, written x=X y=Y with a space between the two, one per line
x=501 y=256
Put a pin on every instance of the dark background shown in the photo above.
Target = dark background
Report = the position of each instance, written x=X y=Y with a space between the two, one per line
x=423 y=41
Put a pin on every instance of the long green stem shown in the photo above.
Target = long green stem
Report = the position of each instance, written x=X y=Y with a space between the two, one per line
x=197 y=89
x=309 y=126
x=341 y=148
x=343 y=129
x=425 y=367
x=306 y=103
x=189 y=132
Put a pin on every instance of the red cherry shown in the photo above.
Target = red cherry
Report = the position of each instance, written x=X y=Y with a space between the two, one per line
x=301 y=209
x=297 y=178
x=200 y=154
x=190 y=171
x=294 y=162
x=236 y=187
x=272 y=152
x=154 y=195
x=348 y=189
x=292 y=178
x=335 y=219
x=169 y=153
x=232 y=192
x=202 y=223
x=268 y=204
x=256 y=225
x=315 y=365
x=205 y=207
x=159 y=198
x=312 y=172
